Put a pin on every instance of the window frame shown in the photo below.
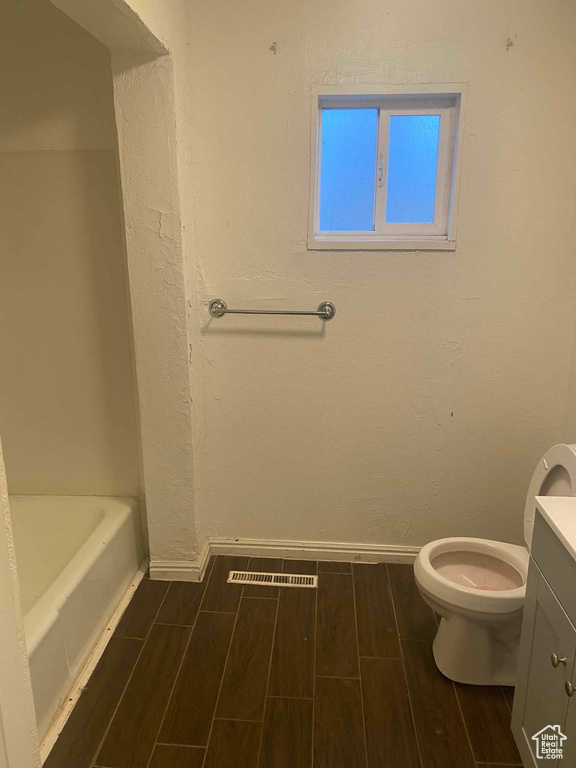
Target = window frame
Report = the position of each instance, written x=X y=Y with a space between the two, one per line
x=448 y=101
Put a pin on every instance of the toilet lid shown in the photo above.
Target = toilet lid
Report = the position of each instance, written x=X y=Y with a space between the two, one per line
x=555 y=475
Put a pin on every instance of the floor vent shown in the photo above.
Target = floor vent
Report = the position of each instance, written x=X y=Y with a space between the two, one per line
x=273 y=579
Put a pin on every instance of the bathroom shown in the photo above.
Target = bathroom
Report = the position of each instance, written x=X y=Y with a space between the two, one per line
x=159 y=156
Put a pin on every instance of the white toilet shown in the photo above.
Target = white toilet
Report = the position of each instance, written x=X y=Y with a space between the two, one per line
x=477 y=586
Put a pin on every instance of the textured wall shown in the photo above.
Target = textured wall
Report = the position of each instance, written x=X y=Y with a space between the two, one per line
x=421 y=410
x=144 y=95
x=67 y=410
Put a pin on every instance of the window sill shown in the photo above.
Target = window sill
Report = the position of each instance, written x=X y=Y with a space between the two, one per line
x=319 y=243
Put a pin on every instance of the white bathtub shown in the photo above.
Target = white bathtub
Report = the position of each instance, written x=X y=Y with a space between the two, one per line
x=76 y=556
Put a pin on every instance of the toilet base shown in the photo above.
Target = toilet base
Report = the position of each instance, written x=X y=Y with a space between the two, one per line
x=477 y=653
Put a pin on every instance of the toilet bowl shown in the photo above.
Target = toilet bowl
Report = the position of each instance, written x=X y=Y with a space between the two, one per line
x=478 y=586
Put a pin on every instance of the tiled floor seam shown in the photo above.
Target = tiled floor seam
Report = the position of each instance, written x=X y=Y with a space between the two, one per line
x=404 y=668
x=169 y=744
x=173 y=624
x=260 y=597
x=333 y=573
x=93 y=763
x=291 y=698
x=238 y=720
x=228 y=613
x=359 y=667
x=338 y=677
x=179 y=666
x=222 y=679
x=312 y=756
x=464 y=723
x=268 y=678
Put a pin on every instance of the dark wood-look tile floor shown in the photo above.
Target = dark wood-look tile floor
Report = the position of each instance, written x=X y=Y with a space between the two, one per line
x=214 y=675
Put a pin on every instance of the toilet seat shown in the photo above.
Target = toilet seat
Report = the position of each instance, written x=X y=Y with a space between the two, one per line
x=555 y=475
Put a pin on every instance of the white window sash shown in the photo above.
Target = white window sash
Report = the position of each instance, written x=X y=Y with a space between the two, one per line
x=437 y=229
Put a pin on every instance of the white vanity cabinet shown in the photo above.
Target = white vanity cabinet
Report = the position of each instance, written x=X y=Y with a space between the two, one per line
x=546 y=679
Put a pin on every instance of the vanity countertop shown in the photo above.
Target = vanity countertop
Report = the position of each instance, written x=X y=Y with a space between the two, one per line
x=560 y=514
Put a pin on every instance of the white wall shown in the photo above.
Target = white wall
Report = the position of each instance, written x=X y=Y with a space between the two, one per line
x=422 y=408
x=18 y=734
x=569 y=435
x=67 y=406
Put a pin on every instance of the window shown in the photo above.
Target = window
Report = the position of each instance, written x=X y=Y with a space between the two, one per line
x=384 y=171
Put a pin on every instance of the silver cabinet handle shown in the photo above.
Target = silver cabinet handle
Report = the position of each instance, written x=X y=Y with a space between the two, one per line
x=569 y=688
x=556 y=660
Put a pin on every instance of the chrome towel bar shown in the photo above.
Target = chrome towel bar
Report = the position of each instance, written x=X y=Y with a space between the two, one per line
x=325 y=311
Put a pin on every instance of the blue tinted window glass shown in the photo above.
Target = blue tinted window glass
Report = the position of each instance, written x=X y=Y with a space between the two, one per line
x=347 y=173
x=412 y=161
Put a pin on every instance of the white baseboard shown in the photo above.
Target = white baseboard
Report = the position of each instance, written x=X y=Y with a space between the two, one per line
x=90 y=665
x=181 y=570
x=315 y=550
x=193 y=570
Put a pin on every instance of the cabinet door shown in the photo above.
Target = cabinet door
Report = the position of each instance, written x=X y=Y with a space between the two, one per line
x=541 y=699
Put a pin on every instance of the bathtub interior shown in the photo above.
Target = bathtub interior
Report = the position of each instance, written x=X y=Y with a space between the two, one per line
x=76 y=557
